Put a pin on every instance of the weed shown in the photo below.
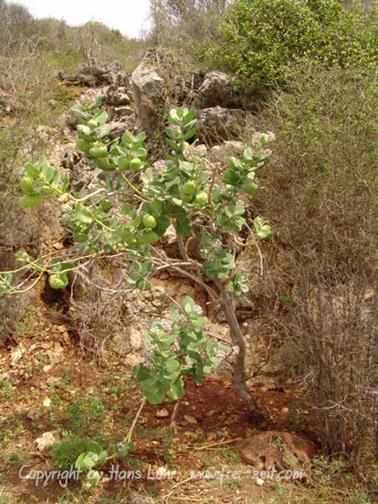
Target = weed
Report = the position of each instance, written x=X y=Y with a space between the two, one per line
x=83 y=415
x=234 y=484
x=66 y=452
x=230 y=455
x=6 y=390
x=296 y=416
x=224 y=433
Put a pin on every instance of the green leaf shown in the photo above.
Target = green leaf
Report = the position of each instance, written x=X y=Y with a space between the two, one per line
x=176 y=390
x=101 y=118
x=262 y=229
x=86 y=461
x=32 y=170
x=5 y=282
x=30 y=200
x=22 y=256
x=183 y=226
x=83 y=214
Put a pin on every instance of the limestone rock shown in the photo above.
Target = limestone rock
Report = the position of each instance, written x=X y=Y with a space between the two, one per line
x=216 y=89
x=217 y=124
x=148 y=93
x=47 y=440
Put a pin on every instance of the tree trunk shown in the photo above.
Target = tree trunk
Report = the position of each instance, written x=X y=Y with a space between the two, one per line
x=228 y=304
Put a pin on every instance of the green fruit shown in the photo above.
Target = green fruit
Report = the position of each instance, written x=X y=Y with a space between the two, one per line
x=98 y=151
x=202 y=198
x=150 y=237
x=84 y=130
x=104 y=164
x=27 y=185
x=58 y=281
x=92 y=123
x=123 y=163
x=189 y=188
x=149 y=221
x=136 y=164
x=249 y=187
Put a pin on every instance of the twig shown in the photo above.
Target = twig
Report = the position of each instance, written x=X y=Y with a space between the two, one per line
x=177 y=485
x=130 y=433
x=217 y=444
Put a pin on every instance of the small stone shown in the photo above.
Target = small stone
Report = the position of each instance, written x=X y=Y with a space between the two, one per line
x=136 y=340
x=46 y=402
x=33 y=415
x=163 y=413
x=47 y=440
x=52 y=379
x=259 y=482
x=190 y=419
x=285 y=410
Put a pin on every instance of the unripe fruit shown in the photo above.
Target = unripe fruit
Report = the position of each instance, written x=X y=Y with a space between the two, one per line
x=136 y=164
x=123 y=163
x=98 y=151
x=189 y=188
x=149 y=221
x=84 y=130
x=92 y=123
x=58 y=281
x=202 y=198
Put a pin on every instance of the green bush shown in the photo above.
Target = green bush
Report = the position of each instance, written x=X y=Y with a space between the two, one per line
x=262 y=40
x=323 y=169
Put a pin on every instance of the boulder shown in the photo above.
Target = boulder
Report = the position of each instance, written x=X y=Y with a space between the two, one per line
x=217 y=124
x=148 y=94
x=216 y=89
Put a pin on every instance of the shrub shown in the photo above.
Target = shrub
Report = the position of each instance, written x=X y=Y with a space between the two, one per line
x=262 y=40
x=204 y=207
x=323 y=171
x=320 y=193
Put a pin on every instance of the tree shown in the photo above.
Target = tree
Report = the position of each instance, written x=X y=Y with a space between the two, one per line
x=196 y=18
x=125 y=219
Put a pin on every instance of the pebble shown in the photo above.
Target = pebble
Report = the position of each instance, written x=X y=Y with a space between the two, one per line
x=163 y=413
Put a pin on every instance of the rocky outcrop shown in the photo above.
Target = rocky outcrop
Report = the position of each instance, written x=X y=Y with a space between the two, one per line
x=217 y=124
x=148 y=94
x=216 y=89
x=93 y=73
